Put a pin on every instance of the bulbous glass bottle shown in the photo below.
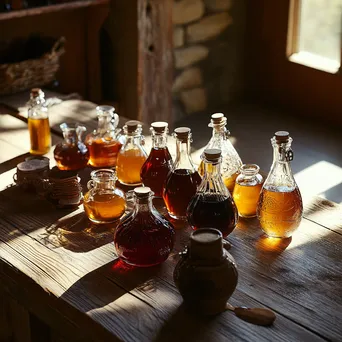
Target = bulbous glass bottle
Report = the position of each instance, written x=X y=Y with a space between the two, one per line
x=104 y=143
x=159 y=162
x=104 y=202
x=231 y=161
x=132 y=155
x=144 y=238
x=212 y=205
x=72 y=153
x=280 y=206
x=183 y=179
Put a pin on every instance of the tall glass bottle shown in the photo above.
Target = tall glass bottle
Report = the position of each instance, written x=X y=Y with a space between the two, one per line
x=38 y=123
x=181 y=183
x=159 y=162
x=280 y=206
x=132 y=155
x=231 y=161
x=212 y=206
x=104 y=143
x=144 y=238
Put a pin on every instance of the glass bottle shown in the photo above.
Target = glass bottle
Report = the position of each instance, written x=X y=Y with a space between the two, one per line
x=247 y=190
x=212 y=206
x=231 y=161
x=280 y=206
x=159 y=162
x=144 y=238
x=132 y=155
x=104 y=142
x=38 y=123
x=181 y=183
x=72 y=153
x=104 y=202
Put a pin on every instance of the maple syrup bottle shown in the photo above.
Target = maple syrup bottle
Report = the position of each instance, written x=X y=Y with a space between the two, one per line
x=158 y=164
x=231 y=161
x=144 y=238
x=182 y=182
x=104 y=143
x=212 y=206
x=280 y=206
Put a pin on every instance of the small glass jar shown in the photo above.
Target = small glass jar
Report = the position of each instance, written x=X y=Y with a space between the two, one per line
x=247 y=190
x=104 y=203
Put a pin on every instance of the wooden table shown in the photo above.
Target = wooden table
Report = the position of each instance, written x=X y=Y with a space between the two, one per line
x=60 y=281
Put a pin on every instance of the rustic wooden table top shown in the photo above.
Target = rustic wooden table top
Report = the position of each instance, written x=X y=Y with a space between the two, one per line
x=62 y=268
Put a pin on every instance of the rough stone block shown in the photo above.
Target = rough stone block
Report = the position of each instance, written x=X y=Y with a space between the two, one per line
x=178 y=37
x=189 y=78
x=186 y=11
x=190 y=55
x=218 y=5
x=194 y=100
x=208 y=28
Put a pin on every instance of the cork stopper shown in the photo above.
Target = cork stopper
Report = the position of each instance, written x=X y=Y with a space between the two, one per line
x=36 y=92
x=206 y=244
x=212 y=154
x=282 y=136
x=217 y=118
x=159 y=126
x=183 y=133
x=132 y=125
x=142 y=191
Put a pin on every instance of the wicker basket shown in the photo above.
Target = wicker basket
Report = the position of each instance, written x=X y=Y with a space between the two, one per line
x=16 y=77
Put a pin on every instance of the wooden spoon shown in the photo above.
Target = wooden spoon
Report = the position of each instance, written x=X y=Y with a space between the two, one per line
x=258 y=316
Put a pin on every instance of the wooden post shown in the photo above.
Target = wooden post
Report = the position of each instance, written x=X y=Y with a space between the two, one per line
x=141 y=32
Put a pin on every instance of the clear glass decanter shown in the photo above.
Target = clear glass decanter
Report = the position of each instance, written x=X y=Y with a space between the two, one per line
x=38 y=123
x=280 y=206
x=104 y=143
x=212 y=206
x=72 y=153
x=144 y=238
x=181 y=183
x=159 y=162
x=132 y=155
x=231 y=161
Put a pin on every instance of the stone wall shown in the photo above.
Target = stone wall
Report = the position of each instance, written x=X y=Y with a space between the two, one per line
x=208 y=43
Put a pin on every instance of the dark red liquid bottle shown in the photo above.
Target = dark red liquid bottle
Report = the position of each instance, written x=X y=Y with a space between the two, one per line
x=144 y=238
x=158 y=164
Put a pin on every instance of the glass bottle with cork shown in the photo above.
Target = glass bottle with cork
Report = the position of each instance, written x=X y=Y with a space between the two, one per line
x=212 y=205
x=280 y=206
x=159 y=162
x=132 y=155
x=181 y=183
x=104 y=143
x=247 y=190
x=38 y=123
x=231 y=161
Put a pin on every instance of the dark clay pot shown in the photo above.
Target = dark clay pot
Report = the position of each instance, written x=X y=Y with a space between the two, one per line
x=206 y=275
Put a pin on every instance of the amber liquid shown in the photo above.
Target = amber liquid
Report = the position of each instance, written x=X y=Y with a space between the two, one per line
x=180 y=187
x=104 y=208
x=213 y=211
x=280 y=211
x=129 y=165
x=144 y=240
x=103 y=153
x=40 y=136
x=71 y=157
x=246 y=199
x=155 y=170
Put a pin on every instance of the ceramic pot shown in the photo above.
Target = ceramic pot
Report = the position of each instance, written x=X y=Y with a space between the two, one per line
x=206 y=275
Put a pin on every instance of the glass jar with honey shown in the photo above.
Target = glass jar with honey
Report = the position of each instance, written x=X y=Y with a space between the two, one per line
x=132 y=155
x=247 y=190
x=231 y=161
x=72 y=153
x=280 y=206
x=104 y=202
x=38 y=123
x=104 y=143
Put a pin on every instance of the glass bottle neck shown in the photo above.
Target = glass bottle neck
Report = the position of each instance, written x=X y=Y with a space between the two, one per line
x=105 y=123
x=212 y=169
x=104 y=184
x=183 y=159
x=220 y=132
x=159 y=141
x=143 y=204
